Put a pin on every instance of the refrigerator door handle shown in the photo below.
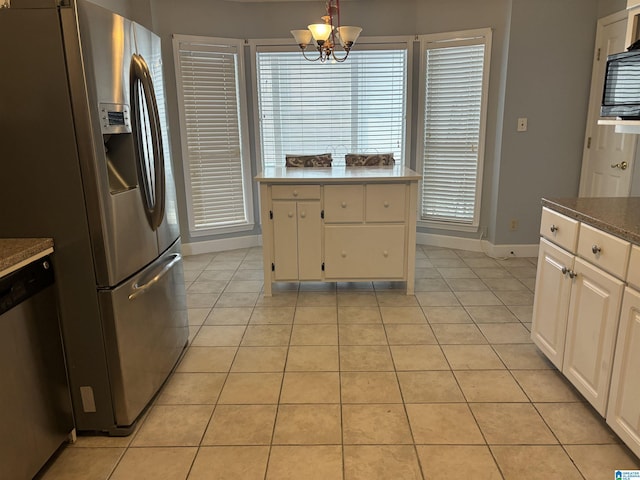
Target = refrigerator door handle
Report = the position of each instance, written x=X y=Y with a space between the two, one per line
x=141 y=81
x=140 y=289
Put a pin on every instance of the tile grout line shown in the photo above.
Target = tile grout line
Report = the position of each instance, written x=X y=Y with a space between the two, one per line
x=216 y=404
x=215 y=407
x=466 y=400
x=284 y=369
x=344 y=465
x=404 y=404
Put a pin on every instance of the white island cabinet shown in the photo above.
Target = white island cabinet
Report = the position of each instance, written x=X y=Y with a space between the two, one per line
x=338 y=224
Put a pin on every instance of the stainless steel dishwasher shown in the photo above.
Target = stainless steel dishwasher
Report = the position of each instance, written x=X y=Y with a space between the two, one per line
x=35 y=413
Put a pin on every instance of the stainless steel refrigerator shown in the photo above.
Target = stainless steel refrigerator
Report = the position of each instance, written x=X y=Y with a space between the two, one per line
x=85 y=159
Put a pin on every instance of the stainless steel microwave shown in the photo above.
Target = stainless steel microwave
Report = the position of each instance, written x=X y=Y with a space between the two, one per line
x=621 y=93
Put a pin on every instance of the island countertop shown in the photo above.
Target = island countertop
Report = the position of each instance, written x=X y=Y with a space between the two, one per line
x=337 y=174
x=619 y=216
x=18 y=252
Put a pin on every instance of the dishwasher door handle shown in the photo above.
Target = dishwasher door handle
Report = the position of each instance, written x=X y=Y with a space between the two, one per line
x=140 y=289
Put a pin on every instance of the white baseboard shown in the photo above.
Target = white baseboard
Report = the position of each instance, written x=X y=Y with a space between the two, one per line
x=224 y=244
x=470 y=244
x=503 y=251
x=477 y=245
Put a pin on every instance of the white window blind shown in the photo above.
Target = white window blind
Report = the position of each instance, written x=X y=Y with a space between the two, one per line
x=454 y=104
x=208 y=74
x=358 y=106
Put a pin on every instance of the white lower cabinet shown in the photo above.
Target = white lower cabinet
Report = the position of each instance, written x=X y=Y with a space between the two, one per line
x=575 y=320
x=297 y=251
x=586 y=319
x=592 y=326
x=577 y=303
x=551 y=305
x=623 y=413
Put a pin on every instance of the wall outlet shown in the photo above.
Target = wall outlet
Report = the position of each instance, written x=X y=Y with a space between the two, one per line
x=513 y=224
x=522 y=124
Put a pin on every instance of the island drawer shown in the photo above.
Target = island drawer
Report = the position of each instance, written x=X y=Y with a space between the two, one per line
x=365 y=251
x=343 y=203
x=295 y=192
x=386 y=203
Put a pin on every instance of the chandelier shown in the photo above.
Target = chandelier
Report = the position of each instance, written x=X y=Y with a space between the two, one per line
x=326 y=35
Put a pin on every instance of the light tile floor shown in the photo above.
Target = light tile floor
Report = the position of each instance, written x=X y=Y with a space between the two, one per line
x=358 y=381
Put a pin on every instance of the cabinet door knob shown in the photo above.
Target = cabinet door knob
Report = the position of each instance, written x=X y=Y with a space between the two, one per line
x=343 y=204
x=386 y=204
x=572 y=274
x=553 y=229
x=343 y=254
x=385 y=253
x=564 y=270
x=290 y=214
x=303 y=214
x=295 y=193
x=596 y=249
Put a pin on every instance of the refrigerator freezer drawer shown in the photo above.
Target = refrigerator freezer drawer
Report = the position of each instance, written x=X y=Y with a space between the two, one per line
x=146 y=330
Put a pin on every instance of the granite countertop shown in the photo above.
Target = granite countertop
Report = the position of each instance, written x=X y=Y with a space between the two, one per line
x=18 y=252
x=619 y=216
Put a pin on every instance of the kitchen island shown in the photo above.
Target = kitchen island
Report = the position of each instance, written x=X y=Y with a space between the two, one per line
x=338 y=224
x=586 y=313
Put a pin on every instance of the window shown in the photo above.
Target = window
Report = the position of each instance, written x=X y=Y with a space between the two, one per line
x=358 y=106
x=210 y=77
x=455 y=69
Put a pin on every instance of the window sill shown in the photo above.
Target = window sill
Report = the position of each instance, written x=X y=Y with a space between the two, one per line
x=210 y=232
x=456 y=227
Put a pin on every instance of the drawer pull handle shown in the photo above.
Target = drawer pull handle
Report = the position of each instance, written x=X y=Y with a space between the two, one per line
x=343 y=204
x=343 y=254
x=386 y=204
x=554 y=229
x=596 y=249
x=303 y=214
x=385 y=254
x=290 y=214
x=295 y=193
